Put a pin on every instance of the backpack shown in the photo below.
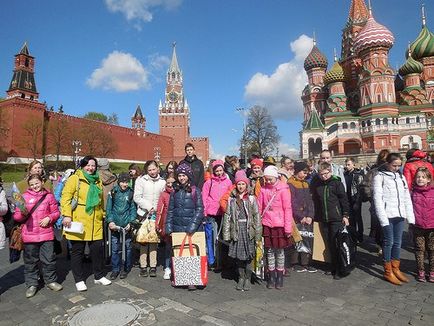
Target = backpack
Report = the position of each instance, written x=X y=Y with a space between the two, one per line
x=113 y=193
x=8 y=220
x=365 y=186
x=346 y=251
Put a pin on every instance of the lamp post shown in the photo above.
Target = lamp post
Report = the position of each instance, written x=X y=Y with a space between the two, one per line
x=243 y=111
x=77 y=149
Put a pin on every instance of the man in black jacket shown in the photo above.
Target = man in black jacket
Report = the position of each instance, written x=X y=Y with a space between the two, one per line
x=195 y=164
x=353 y=179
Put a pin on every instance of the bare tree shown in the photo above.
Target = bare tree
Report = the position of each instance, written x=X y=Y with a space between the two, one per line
x=32 y=137
x=59 y=137
x=261 y=134
x=4 y=126
x=97 y=140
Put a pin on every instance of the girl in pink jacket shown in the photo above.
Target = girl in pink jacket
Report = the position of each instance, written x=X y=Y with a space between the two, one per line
x=274 y=202
x=38 y=235
x=423 y=206
x=212 y=191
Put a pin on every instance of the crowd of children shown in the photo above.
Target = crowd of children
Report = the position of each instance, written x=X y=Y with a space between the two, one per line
x=260 y=207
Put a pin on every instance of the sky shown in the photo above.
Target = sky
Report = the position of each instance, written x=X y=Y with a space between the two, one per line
x=111 y=55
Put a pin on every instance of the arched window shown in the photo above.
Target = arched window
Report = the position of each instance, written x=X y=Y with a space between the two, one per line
x=417 y=120
x=352 y=125
x=377 y=122
x=385 y=121
x=345 y=125
x=407 y=120
x=26 y=62
x=363 y=124
x=368 y=122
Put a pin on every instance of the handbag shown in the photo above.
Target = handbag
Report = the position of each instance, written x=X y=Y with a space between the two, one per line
x=189 y=270
x=306 y=232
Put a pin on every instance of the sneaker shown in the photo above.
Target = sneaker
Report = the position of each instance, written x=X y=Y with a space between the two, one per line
x=54 y=286
x=153 y=272
x=431 y=277
x=421 y=276
x=123 y=275
x=300 y=269
x=311 y=269
x=31 y=291
x=167 y=273
x=114 y=275
x=103 y=281
x=143 y=272
x=81 y=286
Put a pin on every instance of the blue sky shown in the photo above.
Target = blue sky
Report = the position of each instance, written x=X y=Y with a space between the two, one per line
x=111 y=55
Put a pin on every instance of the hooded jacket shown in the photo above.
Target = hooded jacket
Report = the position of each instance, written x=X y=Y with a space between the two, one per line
x=415 y=162
x=391 y=197
x=212 y=191
x=32 y=231
x=279 y=212
x=330 y=199
x=147 y=191
x=197 y=168
x=120 y=208
x=423 y=206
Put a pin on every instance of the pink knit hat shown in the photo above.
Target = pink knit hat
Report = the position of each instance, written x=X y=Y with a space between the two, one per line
x=241 y=176
x=217 y=163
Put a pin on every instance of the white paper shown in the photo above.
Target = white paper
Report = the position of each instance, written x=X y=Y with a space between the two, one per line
x=76 y=227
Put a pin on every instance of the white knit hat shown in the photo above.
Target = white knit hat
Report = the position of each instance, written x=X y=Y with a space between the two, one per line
x=271 y=171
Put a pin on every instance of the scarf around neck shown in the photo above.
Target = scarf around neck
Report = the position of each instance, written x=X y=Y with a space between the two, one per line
x=93 y=195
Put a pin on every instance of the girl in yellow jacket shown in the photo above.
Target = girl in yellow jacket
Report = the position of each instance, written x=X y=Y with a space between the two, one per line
x=85 y=189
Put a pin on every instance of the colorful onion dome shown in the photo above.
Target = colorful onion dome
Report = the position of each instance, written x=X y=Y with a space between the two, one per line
x=423 y=45
x=336 y=74
x=411 y=66
x=373 y=34
x=315 y=59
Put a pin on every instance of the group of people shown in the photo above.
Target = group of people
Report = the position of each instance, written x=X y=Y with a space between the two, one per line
x=259 y=206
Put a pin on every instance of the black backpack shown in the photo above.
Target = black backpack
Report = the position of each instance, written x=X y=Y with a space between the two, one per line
x=346 y=251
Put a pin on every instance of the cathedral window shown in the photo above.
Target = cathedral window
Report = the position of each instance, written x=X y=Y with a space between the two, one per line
x=407 y=120
x=345 y=125
x=353 y=125
x=417 y=120
x=363 y=124
x=385 y=121
x=26 y=62
x=368 y=123
x=377 y=122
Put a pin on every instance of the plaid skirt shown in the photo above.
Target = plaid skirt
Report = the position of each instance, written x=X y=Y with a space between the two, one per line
x=244 y=248
x=275 y=237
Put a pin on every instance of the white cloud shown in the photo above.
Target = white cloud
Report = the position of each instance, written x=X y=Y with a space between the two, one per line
x=289 y=150
x=158 y=62
x=280 y=92
x=140 y=10
x=120 y=72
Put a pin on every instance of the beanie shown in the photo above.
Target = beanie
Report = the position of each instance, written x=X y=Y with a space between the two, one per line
x=271 y=171
x=124 y=177
x=256 y=162
x=300 y=166
x=185 y=168
x=217 y=163
x=240 y=175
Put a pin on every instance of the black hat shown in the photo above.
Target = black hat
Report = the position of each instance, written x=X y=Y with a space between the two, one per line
x=300 y=166
x=124 y=177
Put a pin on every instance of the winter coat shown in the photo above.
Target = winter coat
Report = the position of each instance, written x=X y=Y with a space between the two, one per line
x=230 y=219
x=301 y=199
x=162 y=208
x=423 y=206
x=185 y=212
x=120 y=208
x=355 y=178
x=212 y=191
x=279 y=212
x=93 y=222
x=108 y=180
x=330 y=199
x=31 y=231
x=147 y=191
x=391 y=197
x=197 y=168
x=410 y=168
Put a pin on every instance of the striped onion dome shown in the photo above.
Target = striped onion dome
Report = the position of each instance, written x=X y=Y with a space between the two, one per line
x=411 y=66
x=336 y=74
x=423 y=45
x=315 y=59
x=373 y=34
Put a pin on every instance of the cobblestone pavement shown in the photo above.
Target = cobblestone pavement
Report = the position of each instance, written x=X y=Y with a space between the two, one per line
x=362 y=298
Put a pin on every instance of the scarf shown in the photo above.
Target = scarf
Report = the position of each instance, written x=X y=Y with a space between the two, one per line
x=93 y=195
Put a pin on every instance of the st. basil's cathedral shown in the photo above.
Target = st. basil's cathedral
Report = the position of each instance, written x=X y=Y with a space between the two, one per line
x=362 y=105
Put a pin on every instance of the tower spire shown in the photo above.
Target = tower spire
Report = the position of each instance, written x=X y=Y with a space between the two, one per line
x=335 y=56
x=370 y=8
x=358 y=12
x=174 y=64
x=314 y=38
x=423 y=16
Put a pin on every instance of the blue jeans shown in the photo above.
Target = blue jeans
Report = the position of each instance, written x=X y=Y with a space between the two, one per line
x=117 y=252
x=392 y=239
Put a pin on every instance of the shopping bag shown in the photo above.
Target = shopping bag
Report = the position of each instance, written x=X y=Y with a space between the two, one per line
x=306 y=232
x=147 y=232
x=189 y=270
x=347 y=250
x=197 y=239
x=320 y=248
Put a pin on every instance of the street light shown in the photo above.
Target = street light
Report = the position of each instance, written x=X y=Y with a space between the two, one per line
x=77 y=149
x=243 y=111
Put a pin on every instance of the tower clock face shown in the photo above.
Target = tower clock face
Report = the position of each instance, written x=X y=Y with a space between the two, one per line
x=173 y=97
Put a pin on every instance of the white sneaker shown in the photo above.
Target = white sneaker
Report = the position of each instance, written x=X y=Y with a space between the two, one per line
x=81 y=286
x=103 y=281
x=167 y=273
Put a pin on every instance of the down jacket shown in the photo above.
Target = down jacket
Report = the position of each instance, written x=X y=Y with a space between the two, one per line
x=391 y=197
x=230 y=219
x=185 y=212
x=31 y=231
x=92 y=223
x=423 y=206
x=212 y=191
x=415 y=162
x=279 y=212
x=147 y=191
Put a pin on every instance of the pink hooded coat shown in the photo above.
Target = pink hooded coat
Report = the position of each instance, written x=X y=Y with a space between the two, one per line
x=31 y=231
x=423 y=206
x=279 y=213
x=212 y=191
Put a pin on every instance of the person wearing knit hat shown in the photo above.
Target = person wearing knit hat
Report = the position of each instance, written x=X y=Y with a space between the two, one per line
x=185 y=169
x=124 y=177
x=300 y=166
x=217 y=163
x=256 y=162
x=242 y=228
x=275 y=207
x=256 y=176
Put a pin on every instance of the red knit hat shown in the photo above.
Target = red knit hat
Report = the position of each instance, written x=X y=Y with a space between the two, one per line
x=256 y=162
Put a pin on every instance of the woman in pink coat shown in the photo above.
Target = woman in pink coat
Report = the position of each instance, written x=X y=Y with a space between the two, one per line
x=38 y=235
x=212 y=191
x=274 y=202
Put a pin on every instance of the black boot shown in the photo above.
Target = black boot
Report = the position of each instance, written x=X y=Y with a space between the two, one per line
x=279 y=280
x=271 y=282
x=241 y=277
x=247 y=281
